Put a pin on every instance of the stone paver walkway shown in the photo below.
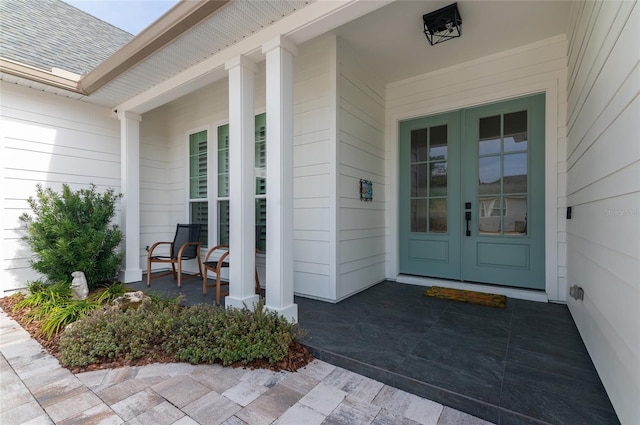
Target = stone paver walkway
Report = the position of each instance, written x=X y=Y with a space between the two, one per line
x=35 y=389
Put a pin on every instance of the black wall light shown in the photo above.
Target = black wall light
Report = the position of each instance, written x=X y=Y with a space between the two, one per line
x=443 y=24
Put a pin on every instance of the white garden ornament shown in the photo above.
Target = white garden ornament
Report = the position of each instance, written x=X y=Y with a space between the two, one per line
x=79 y=286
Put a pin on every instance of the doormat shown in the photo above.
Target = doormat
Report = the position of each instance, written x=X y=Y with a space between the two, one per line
x=470 y=297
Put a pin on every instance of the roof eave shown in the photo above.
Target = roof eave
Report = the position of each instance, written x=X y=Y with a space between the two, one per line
x=56 y=78
x=182 y=17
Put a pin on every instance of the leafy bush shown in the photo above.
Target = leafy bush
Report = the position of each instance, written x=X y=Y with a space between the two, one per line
x=113 y=334
x=72 y=231
x=206 y=334
x=198 y=334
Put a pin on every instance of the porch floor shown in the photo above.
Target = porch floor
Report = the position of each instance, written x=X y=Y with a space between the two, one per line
x=524 y=364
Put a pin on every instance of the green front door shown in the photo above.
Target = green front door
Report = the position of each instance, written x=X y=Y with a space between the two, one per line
x=472 y=194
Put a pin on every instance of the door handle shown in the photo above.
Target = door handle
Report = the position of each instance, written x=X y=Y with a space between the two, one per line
x=467 y=217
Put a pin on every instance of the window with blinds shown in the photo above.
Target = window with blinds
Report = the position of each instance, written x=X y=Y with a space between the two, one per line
x=198 y=201
x=261 y=183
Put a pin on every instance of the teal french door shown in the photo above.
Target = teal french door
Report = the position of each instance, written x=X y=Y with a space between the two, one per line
x=472 y=194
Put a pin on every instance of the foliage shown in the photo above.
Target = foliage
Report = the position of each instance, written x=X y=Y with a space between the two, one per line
x=114 y=334
x=198 y=334
x=52 y=305
x=109 y=293
x=41 y=294
x=208 y=334
x=71 y=231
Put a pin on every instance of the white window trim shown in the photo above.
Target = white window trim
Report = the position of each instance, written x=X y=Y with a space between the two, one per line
x=212 y=179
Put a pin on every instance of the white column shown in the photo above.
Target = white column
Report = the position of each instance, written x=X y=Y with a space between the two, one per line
x=130 y=188
x=279 y=267
x=242 y=184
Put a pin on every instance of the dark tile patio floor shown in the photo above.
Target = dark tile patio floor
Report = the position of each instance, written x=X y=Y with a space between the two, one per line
x=525 y=364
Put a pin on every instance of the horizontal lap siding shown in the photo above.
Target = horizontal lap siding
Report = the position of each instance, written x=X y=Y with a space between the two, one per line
x=165 y=139
x=312 y=187
x=155 y=199
x=603 y=186
x=361 y=155
x=49 y=140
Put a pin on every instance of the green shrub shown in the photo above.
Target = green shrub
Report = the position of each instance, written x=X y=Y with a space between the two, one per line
x=198 y=334
x=72 y=231
x=206 y=334
x=113 y=334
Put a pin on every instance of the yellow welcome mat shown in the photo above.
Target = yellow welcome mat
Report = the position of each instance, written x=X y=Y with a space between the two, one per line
x=471 y=297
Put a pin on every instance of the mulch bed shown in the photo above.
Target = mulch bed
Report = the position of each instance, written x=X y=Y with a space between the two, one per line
x=298 y=357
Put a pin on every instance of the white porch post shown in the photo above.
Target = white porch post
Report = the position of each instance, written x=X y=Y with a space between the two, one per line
x=279 y=265
x=130 y=188
x=242 y=186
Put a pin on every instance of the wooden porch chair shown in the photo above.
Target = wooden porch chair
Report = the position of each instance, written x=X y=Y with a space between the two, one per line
x=217 y=259
x=185 y=246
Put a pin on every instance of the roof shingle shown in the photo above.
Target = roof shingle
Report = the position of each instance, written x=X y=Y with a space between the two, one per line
x=51 y=33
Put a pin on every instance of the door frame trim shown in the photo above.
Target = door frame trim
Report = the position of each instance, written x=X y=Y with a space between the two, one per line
x=555 y=284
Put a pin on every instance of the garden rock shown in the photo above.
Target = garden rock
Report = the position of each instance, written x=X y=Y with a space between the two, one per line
x=79 y=286
x=131 y=300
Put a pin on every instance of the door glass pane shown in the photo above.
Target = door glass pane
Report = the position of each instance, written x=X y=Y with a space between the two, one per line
x=419 y=180
x=438 y=143
x=438 y=181
x=418 y=215
x=515 y=215
x=438 y=215
x=489 y=215
x=515 y=131
x=419 y=145
x=515 y=173
x=489 y=135
x=429 y=179
x=489 y=175
x=223 y=220
x=503 y=169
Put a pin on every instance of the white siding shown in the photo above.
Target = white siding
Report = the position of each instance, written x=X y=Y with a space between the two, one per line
x=314 y=169
x=155 y=185
x=603 y=187
x=535 y=68
x=164 y=151
x=361 y=155
x=50 y=140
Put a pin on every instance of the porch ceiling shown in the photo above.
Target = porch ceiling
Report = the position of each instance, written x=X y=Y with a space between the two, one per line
x=391 y=41
x=386 y=34
x=234 y=22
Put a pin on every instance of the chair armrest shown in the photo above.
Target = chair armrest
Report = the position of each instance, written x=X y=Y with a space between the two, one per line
x=212 y=250
x=185 y=245
x=150 y=250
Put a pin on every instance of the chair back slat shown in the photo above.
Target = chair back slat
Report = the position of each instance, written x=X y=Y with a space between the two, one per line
x=186 y=233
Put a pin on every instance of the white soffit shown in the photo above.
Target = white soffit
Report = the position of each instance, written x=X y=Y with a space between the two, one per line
x=233 y=23
x=313 y=19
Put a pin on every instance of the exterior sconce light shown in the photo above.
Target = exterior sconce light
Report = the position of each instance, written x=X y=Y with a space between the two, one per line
x=443 y=24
